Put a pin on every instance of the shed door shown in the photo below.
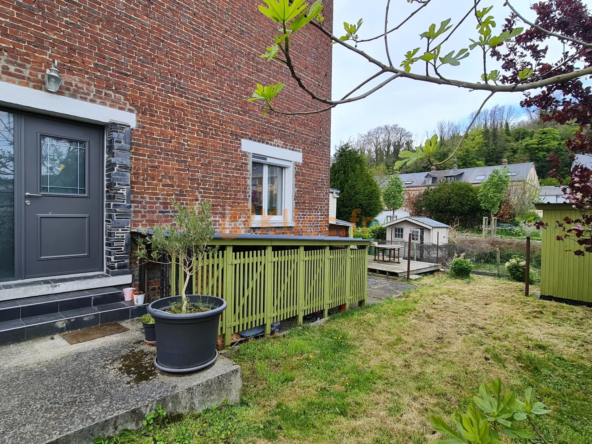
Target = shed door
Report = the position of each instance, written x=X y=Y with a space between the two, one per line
x=63 y=176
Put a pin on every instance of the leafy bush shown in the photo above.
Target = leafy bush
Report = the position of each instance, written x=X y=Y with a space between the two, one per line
x=491 y=413
x=147 y=319
x=461 y=268
x=451 y=203
x=517 y=269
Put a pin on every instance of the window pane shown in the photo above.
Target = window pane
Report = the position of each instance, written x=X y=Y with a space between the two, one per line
x=275 y=191
x=257 y=189
x=6 y=195
x=63 y=166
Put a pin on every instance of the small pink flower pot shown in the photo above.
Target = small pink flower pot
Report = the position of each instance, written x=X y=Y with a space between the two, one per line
x=128 y=293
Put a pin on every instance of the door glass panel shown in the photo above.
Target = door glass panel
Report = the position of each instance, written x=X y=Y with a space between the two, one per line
x=257 y=189
x=63 y=166
x=275 y=192
x=6 y=195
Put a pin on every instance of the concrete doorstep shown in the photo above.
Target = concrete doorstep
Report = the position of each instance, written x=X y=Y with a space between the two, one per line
x=54 y=392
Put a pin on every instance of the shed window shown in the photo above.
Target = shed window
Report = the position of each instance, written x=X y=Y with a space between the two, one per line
x=398 y=233
x=480 y=178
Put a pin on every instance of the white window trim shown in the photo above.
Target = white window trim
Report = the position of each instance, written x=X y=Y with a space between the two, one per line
x=25 y=98
x=402 y=234
x=278 y=157
x=418 y=230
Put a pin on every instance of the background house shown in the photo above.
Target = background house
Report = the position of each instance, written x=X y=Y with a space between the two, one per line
x=524 y=180
x=423 y=230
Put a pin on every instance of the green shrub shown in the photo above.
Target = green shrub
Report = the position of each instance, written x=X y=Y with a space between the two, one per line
x=517 y=269
x=147 y=319
x=461 y=268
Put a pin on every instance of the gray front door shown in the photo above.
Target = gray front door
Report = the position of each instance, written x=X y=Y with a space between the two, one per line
x=63 y=177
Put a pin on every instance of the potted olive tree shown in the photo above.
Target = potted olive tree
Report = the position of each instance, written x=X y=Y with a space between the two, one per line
x=186 y=325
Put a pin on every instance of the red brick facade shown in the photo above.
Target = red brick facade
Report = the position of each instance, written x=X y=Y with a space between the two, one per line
x=186 y=68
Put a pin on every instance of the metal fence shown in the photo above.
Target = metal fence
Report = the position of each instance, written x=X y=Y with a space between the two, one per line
x=488 y=255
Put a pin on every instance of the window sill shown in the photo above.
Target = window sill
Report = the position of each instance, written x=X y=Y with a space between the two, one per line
x=272 y=224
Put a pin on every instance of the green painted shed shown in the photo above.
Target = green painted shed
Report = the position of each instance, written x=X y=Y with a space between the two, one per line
x=563 y=275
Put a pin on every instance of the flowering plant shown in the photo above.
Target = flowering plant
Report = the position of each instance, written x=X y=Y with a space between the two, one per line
x=517 y=269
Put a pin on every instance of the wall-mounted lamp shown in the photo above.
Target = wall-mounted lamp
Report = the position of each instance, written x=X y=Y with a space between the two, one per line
x=53 y=80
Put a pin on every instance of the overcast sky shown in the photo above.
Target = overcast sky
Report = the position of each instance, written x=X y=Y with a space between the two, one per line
x=416 y=106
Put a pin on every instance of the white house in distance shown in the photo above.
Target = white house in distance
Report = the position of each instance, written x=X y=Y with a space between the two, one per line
x=423 y=230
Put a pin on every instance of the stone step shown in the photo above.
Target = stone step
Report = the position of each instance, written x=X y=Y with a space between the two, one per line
x=30 y=318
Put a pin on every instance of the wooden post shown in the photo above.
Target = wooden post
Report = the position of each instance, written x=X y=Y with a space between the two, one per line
x=527 y=272
x=365 y=300
x=268 y=294
x=499 y=272
x=300 y=291
x=437 y=245
x=409 y=258
x=228 y=294
x=326 y=283
x=348 y=260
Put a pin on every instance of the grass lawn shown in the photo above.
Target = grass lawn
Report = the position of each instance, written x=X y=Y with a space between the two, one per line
x=376 y=374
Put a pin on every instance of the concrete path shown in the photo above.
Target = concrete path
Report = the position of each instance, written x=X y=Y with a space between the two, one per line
x=382 y=288
x=55 y=392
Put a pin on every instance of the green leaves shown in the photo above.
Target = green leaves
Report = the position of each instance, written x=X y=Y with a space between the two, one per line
x=432 y=34
x=504 y=37
x=281 y=11
x=454 y=60
x=493 y=75
x=526 y=73
x=266 y=93
x=271 y=52
x=426 y=152
x=410 y=59
x=491 y=408
x=351 y=31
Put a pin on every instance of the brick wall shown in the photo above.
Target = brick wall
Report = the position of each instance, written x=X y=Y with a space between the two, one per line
x=186 y=69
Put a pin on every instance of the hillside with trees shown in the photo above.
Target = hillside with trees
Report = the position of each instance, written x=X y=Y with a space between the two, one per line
x=499 y=134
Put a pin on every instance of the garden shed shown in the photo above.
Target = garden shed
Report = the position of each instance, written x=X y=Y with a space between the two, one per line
x=423 y=230
x=564 y=275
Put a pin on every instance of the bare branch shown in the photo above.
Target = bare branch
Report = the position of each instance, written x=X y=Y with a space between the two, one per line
x=468 y=129
x=518 y=87
x=386 y=16
x=546 y=31
x=461 y=22
x=398 y=26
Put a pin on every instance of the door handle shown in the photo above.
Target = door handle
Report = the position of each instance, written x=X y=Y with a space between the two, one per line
x=33 y=195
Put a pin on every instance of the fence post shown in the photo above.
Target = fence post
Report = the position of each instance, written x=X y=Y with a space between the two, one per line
x=268 y=295
x=348 y=260
x=527 y=271
x=300 y=292
x=326 y=283
x=365 y=278
x=228 y=294
x=415 y=252
x=499 y=272
x=409 y=258
x=437 y=246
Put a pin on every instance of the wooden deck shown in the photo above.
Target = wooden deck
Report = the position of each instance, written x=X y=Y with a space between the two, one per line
x=400 y=270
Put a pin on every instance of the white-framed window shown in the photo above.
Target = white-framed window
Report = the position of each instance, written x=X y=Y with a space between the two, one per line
x=398 y=233
x=415 y=235
x=271 y=184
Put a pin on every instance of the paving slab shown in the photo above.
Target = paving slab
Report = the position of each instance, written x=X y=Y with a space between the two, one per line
x=381 y=288
x=54 y=392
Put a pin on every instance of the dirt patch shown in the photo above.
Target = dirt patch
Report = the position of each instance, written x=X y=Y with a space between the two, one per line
x=138 y=366
x=92 y=333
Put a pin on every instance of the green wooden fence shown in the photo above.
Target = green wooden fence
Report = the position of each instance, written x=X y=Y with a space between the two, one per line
x=268 y=285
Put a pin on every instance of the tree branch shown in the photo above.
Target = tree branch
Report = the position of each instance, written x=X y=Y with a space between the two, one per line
x=386 y=46
x=546 y=31
x=461 y=22
x=468 y=129
x=518 y=87
x=396 y=27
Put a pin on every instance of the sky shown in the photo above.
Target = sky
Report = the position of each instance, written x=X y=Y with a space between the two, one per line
x=416 y=106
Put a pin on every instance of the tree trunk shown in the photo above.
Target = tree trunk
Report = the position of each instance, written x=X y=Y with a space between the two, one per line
x=184 y=290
